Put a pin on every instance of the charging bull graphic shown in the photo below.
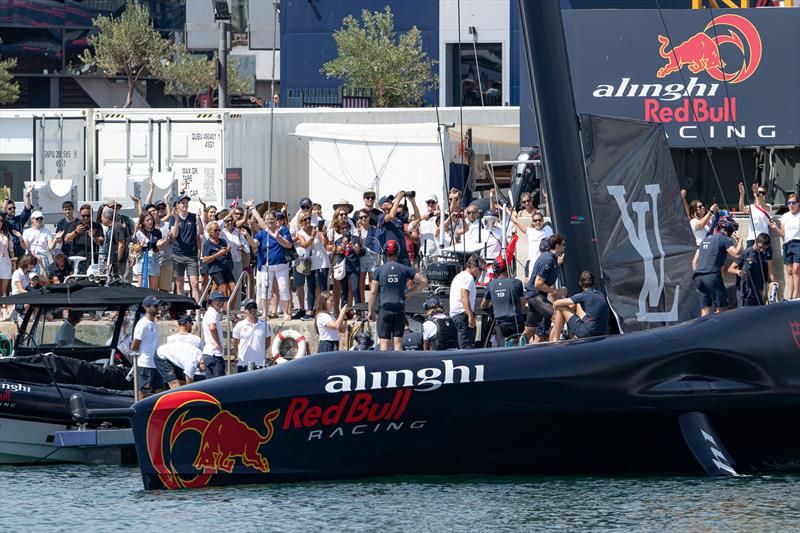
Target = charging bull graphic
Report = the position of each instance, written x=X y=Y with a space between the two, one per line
x=223 y=439
x=701 y=51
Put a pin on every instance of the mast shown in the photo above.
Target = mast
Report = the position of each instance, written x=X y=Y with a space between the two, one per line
x=559 y=135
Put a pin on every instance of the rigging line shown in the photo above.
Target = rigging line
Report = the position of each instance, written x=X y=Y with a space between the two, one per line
x=691 y=102
x=741 y=163
x=322 y=167
x=354 y=184
x=480 y=92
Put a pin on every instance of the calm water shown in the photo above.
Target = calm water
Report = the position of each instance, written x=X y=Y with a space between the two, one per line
x=79 y=498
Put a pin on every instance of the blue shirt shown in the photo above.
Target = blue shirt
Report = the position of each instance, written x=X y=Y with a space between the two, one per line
x=596 y=308
x=546 y=266
x=267 y=244
x=220 y=264
x=352 y=257
x=504 y=293
x=713 y=250
x=754 y=266
x=17 y=222
x=394 y=230
x=186 y=243
x=392 y=277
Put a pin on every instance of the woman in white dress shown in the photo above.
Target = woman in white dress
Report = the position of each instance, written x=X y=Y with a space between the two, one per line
x=6 y=256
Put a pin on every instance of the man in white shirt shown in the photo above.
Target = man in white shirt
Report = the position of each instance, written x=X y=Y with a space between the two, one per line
x=462 y=300
x=144 y=346
x=427 y=226
x=212 y=336
x=185 y=323
x=177 y=363
x=250 y=338
x=39 y=240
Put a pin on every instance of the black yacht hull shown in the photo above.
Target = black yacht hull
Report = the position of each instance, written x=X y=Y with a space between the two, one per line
x=606 y=405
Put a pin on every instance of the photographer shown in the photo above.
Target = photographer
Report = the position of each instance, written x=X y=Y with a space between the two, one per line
x=394 y=220
x=78 y=237
x=347 y=248
x=707 y=262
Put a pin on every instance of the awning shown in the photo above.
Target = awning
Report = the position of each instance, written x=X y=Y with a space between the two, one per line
x=507 y=135
x=420 y=133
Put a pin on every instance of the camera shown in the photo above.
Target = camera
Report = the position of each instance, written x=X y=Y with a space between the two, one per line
x=350 y=314
x=410 y=194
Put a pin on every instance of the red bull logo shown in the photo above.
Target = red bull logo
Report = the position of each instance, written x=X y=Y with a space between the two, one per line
x=223 y=439
x=701 y=51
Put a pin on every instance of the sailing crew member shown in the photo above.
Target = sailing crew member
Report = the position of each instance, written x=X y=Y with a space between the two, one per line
x=752 y=269
x=507 y=297
x=585 y=313
x=179 y=359
x=412 y=340
x=212 y=336
x=438 y=331
x=250 y=338
x=144 y=346
x=540 y=290
x=462 y=300
x=390 y=279
x=707 y=262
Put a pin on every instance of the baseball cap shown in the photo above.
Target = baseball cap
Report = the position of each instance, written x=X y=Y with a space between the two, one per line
x=500 y=265
x=217 y=295
x=279 y=214
x=385 y=199
x=150 y=300
x=179 y=199
x=160 y=203
x=391 y=247
x=305 y=203
x=56 y=252
x=369 y=193
x=185 y=319
x=247 y=304
x=432 y=302
x=37 y=214
x=431 y=198
x=32 y=275
x=728 y=224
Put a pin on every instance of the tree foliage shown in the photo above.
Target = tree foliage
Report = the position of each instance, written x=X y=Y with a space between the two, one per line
x=128 y=45
x=9 y=89
x=191 y=75
x=371 y=55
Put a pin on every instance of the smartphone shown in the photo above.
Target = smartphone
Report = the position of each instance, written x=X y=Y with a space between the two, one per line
x=320 y=225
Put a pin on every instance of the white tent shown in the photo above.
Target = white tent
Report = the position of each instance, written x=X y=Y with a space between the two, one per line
x=347 y=159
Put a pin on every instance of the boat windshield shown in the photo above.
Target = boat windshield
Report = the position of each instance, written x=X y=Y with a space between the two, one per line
x=54 y=328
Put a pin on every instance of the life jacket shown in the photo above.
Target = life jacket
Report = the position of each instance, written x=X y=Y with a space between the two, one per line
x=446 y=337
x=412 y=341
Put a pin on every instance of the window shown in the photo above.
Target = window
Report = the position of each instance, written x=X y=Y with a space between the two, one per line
x=38 y=51
x=480 y=76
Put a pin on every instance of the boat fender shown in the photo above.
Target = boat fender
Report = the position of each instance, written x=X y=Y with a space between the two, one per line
x=284 y=343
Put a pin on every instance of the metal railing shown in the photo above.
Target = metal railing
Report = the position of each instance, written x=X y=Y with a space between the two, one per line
x=235 y=293
x=329 y=97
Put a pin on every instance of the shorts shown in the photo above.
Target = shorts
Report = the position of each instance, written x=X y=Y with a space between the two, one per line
x=237 y=270
x=280 y=273
x=368 y=262
x=509 y=327
x=165 y=276
x=223 y=277
x=466 y=334
x=168 y=371
x=576 y=327
x=391 y=323
x=153 y=266
x=791 y=252
x=712 y=290
x=299 y=279
x=149 y=380
x=182 y=266
x=215 y=366
x=328 y=346
x=539 y=310
x=767 y=252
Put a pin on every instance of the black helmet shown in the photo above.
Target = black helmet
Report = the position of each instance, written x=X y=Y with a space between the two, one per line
x=432 y=303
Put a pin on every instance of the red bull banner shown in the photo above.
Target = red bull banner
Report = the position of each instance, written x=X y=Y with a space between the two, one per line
x=719 y=77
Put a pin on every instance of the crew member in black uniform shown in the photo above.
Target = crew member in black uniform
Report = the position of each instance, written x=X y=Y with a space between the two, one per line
x=585 y=313
x=390 y=281
x=707 y=262
x=752 y=270
x=412 y=340
x=540 y=290
x=438 y=331
x=506 y=297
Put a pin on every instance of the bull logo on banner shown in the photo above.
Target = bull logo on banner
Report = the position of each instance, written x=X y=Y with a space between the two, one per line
x=653 y=287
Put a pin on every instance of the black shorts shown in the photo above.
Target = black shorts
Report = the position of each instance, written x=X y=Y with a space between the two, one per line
x=577 y=328
x=222 y=277
x=215 y=366
x=712 y=290
x=509 y=326
x=539 y=310
x=391 y=323
x=168 y=371
x=150 y=380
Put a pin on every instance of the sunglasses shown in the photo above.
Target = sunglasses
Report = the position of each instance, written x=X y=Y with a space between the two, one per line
x=431 y=202
x=39 y=218
x=369 y=198
x=791 y=202
x=538 y=220
x=700 y=206
x=305 y=207
x=85 y=216
x=213 y=231
x=762 y=193
x=526 y=201
x=306 y=219
x=363 y=217
x=472 y=212
x=11 y=208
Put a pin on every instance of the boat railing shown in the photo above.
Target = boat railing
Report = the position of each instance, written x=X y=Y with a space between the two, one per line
x=244 y=278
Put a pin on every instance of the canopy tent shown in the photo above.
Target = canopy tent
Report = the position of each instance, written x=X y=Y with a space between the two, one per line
x=506 y=135
x=345 y=160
